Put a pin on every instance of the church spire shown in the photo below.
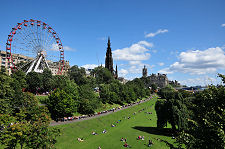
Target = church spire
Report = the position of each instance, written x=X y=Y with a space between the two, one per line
x=116 y=74
x=108 y=58
x=109 y=42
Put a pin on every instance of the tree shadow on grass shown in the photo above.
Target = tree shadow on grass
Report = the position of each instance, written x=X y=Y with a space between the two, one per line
x=157 y=131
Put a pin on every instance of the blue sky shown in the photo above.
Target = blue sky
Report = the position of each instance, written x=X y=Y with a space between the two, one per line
x=183 y=38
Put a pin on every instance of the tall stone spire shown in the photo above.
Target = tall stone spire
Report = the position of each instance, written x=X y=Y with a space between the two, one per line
x=116 y=73
x=108 y=58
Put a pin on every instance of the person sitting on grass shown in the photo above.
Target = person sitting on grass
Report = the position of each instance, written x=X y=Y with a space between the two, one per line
x=122 y=139
x=143 y=138
x=99 y=147
x=94 y=133
x=139 y=137
x=113 y=125
x=104 y=131
x=80 y=140
x=125 y=145
x=150 y=143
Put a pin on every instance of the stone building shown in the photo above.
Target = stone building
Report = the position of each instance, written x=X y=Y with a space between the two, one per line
x=122 y=80
x=54 y=67
x=160 y=80
x=17 y=58
x=174 y=83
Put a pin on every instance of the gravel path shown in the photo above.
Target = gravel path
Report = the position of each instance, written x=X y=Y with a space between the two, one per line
x=54 y=123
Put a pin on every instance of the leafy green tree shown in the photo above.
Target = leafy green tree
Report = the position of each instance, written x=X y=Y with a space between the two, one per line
x=10 y=92
x=6 y=90
x=5 y=106
x=61 y=104
x=172 y=110
x=89 y=100
x=28 y=133
x=91 y=81
x=2 y=69
x=200 y=117
x=161 y=111
x=60 y=81
x=102 y=75
x=40 y=134
x=115 y=89
x=7 y=136
x=105 y=93
x=85 y=91
x=153 y=88
x=148 y=92
x=138 y=87
x=72 y=89
x=85 y=107
x=27 y=125
x=167 y=92
x=125 y=94
x=206 y=128
x=34 y=82
x=113 y=98
x=20 y=76
x=78 y=75
x=47 y=80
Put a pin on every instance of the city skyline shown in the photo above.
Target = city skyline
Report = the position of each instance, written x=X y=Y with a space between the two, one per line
x=182 y=39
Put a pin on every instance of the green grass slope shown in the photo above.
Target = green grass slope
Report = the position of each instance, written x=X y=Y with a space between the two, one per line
x=138 y=125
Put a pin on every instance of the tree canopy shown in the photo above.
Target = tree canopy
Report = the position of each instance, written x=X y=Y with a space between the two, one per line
x=199 y=117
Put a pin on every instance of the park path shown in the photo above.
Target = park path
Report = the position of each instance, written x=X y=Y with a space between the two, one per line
x=54 y=123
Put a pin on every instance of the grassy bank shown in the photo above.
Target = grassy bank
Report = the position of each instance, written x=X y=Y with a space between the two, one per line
x=140 y=124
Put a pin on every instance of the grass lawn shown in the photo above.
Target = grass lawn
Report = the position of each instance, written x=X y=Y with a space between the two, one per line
x=138 y=125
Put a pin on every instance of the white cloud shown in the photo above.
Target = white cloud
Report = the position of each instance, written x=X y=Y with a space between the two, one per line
x=123 y=72
x=135 y=63
x=165 y=71
x=203 y=81
x=160 y=31
x=55 y=47
x=161 y=64
x=134 y=55
x=67 y=48
x=223 y=25
x=154 y=51
x=147 y=44
x=136 y=52
x=135 y=68
x=198 y=62
x=89 y=66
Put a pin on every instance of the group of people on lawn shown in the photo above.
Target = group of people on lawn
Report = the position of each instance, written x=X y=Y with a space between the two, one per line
x=150 y=143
